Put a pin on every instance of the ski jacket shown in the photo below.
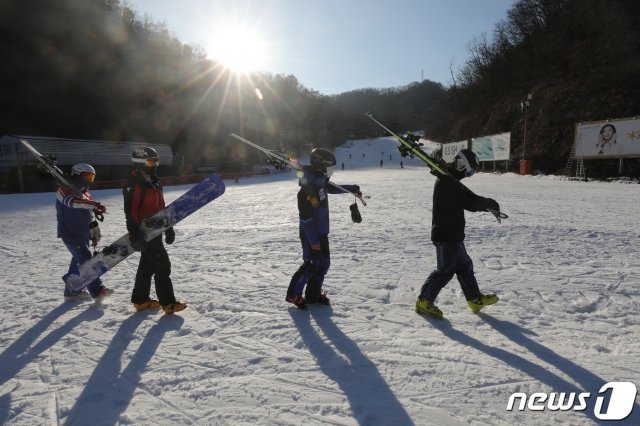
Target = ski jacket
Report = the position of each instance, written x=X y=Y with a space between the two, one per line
x=450 y=200
x=74 y=214
x=142 y=198
x=313 y=204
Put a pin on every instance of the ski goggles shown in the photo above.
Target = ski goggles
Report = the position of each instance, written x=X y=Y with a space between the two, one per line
x=88 y=176
x=462 y=165
x=152 y=162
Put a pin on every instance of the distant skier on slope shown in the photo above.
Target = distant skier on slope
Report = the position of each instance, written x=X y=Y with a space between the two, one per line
x=77 y=227
x=313 y=208
x=450 y=200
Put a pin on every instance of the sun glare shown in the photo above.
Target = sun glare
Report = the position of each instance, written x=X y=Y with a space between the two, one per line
x=239 y=49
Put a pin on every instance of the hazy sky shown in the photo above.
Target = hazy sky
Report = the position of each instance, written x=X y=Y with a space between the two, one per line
x=333 y=46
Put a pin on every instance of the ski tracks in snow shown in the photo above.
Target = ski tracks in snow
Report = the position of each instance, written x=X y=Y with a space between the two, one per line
x=565 y=267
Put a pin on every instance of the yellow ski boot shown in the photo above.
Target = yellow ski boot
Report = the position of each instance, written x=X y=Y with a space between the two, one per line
x=482 y=301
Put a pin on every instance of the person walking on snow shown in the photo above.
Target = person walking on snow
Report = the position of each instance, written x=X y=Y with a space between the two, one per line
x=313 y=209
x=143 y=198
x=450 y=200
x=77 y=227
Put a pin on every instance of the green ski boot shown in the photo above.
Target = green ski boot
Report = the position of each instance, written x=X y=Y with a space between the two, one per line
x=424 y=307
x=482 y=301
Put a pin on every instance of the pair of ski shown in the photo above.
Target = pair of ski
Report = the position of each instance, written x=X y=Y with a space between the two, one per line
x=293 y=164
x=200 y=195
x=410 y=146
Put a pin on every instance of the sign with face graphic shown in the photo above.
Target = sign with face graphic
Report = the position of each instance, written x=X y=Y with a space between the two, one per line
x=613 y=138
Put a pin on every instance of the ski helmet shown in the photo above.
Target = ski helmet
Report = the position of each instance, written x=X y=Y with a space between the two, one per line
x=84 y=171
x=466 y=162
x=147 y=157
x=321 y=159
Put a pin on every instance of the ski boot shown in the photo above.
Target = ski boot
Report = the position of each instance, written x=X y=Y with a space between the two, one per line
x=83 y=295
x=297 y=300
x=149 y=304
x=105 y=292
x=423 y=306
x=320 y=299
x=482 y=301
x=173 y=307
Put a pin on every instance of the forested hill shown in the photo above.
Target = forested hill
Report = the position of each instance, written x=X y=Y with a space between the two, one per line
x=95 y=69
x=577 y=58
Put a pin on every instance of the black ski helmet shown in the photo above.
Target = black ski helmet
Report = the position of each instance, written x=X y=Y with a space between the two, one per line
x=145 y=157
x=466 y=163
x=321 y=159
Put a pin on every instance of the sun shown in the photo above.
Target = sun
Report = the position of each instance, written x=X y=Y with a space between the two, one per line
x=239 y=49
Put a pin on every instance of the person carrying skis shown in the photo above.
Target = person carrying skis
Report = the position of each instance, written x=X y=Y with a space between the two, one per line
x=143 y=198
x=77 y=227
x=450 y=200
x=313 y=208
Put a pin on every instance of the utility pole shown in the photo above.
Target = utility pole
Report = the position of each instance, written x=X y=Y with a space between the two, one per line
x=524 y=106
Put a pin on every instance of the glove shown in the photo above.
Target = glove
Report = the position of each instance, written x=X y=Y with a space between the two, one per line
x=355 y=213
x=314 y=201
x=98 y=207
x=492 y=204
x=94 y=232
x=169 y=236
x=357 y=191
x=137 y=242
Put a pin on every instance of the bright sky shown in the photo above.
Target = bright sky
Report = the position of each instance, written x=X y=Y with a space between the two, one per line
x=333 y=46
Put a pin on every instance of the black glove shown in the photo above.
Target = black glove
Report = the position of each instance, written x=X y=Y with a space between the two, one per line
x=94 y=232
x=355 y=213
x=169 y=236
x=492 y=204
x=137 y=242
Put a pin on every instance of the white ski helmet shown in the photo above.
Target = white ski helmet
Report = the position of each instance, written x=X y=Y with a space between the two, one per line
x=85 y=171
x=80 y=168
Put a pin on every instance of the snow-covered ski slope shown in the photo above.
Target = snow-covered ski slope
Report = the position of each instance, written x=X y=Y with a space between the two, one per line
x=566 y=265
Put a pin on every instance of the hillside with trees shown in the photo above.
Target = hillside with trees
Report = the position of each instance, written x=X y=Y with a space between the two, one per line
x=97 y=70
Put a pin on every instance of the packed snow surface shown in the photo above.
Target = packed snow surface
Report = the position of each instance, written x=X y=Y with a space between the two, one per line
x=566 y=265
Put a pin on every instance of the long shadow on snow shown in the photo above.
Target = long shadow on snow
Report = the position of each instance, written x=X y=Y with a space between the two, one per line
x=588 y=381
x=516 y=333
x=110 y=389
x=372 y=401
x=20 y=353
x=5 y=403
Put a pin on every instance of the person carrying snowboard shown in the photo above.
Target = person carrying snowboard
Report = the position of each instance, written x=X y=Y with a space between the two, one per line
x=450 y=200
x=313 y=209
x=143 y=198
x=77 y=227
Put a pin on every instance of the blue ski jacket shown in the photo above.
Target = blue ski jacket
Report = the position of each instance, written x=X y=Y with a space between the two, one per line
x=74 y=214
x=313 y=204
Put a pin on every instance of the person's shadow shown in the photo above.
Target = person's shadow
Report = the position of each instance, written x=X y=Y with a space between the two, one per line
x=110 y=388
x=588 y=381
x=372 y=401
x=21 y=352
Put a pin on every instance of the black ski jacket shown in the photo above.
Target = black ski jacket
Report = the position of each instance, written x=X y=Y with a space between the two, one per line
x=450 y=200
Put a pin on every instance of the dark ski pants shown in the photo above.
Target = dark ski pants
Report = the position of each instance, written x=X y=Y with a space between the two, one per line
x=154 y=262
x=80 y=253
x=452 y=260
x=313 y=269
